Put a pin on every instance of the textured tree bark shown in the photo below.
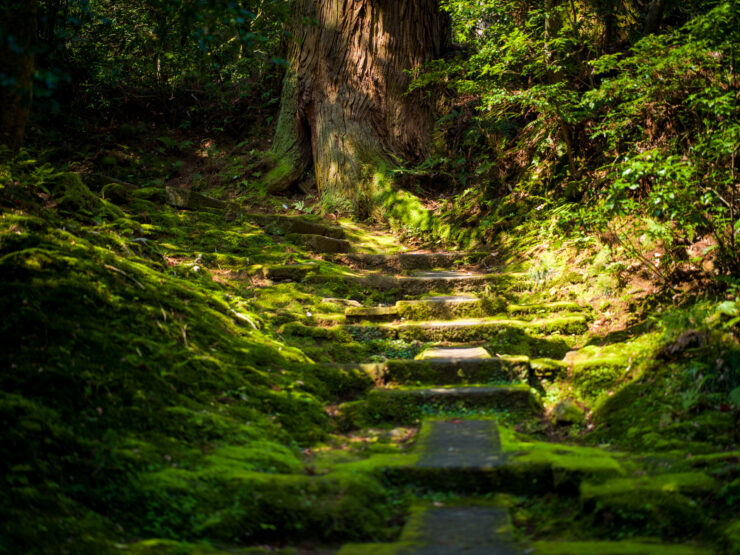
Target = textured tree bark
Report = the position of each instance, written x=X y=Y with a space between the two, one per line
x=345 y=109
x=654 y=16
x=18 y=34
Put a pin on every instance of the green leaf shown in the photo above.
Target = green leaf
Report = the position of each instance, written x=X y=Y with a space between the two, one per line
x=735 y=396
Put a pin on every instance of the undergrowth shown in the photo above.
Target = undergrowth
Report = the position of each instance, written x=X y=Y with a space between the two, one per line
x=145 y=392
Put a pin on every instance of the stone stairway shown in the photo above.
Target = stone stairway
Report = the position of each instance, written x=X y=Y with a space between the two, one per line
x=465 y=392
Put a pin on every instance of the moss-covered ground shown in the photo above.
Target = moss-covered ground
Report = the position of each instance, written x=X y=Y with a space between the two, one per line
x=165 y=389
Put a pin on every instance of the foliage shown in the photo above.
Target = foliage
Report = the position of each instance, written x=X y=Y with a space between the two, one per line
x=553 y=102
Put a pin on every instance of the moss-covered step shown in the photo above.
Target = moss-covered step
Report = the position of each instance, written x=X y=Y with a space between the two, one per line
x=457 y=365
x=320 y=243
x=371 y=314
x=623 y=547
x=666 y=503
x=475 y=528
x=449 y=307
x=473 y=329
x=190 y=200
x=278 y=224
x=288 y=272
x=422 y=282
x=542 y=309
x=473 y=455
x=409 y=261
x=408 y=404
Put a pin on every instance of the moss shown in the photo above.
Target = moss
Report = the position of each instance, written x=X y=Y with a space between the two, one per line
x=405 y=211
x=228 y=503
x=291 y=272
x=320 y=243
x=656 y=504
x=538 y=310
x=452 y=309
x=686 y=483
x=73 y=196
x=297 y=225
x=568 y=412
x=624 y=547
x=732 y=537
x=334 y=334
x=569 y=464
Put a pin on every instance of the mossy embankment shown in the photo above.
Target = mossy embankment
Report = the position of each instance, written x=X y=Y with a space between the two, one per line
x=145 y=391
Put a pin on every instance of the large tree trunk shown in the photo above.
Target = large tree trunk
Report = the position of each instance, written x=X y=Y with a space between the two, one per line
x=346 y=110
x=654 y=16
x=18 y=34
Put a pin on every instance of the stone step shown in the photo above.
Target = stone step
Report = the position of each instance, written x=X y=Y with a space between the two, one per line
x=320 y=243
x=421 y=283
x=448 y=370
x=407 y=405
x=475 y=455
x=474 y=329
x=288 y=272
x=465 y=456
x=466 y=526
x=458 y=365
x=279 y=224
x=409 y=261
x=371 y=314
x=454 y=307
x=449 y=308
x=459 y=444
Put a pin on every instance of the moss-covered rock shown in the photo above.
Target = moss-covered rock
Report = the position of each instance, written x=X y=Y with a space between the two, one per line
x=282 y=225
x=290 y=272
x=568 y=412
x=320 y=243
x=191 y=200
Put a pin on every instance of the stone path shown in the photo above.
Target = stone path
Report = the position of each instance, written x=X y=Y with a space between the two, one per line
x=458 y=390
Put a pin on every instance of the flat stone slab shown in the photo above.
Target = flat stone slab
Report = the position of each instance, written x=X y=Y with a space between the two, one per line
x=465 y=529
x=454 y=353
x=460 y=444
x=460 y=529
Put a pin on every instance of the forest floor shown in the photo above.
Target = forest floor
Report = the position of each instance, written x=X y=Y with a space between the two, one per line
x=195 y=376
